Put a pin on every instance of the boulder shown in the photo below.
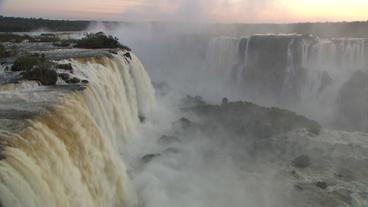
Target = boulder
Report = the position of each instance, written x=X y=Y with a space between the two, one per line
x=64 y=76
x=321 y=185
x=128 y=56
x=67 y=67
x=301 y=162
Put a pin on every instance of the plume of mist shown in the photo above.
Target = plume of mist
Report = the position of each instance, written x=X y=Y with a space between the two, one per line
x=197 y=10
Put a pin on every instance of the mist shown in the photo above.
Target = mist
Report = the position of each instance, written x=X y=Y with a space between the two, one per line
x=172 y=164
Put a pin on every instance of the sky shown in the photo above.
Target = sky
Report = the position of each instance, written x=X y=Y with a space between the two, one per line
x=228 y=11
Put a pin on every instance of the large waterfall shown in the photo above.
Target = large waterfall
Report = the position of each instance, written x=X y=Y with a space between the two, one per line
x=66 y=155
x=288 y=70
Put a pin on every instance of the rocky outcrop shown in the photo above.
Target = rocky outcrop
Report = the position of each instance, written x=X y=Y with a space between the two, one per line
x=247 y=119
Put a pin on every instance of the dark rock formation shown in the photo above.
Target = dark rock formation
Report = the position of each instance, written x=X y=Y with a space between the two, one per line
x=67 y=67
x=301 y=162
x=148 y=158
x=128 y=56
x=321 y=185
x=64 y=76
x=73 y=80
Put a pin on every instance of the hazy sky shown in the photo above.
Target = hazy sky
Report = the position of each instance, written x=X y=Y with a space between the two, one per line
x=191 y=10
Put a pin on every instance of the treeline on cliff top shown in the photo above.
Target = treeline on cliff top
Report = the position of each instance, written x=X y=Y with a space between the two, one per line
x=324 y=29
x=20 y=24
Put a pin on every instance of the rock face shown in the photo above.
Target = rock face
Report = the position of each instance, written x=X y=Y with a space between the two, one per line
x=352 y=102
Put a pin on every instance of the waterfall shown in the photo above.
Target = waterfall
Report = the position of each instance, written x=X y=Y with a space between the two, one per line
x=306 y=57
x=222 y=56
x=67 y=156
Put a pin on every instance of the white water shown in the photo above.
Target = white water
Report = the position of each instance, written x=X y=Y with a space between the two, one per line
x=328 y=63
x=69 y=156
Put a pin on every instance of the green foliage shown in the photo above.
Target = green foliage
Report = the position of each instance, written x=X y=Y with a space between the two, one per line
x=19 y=24
x=8 y=37
x=15 y=38
x=245 y=118
x=64 y=43
x=4 y=53
x=27 y=62
x=43 y=73
x=99 y=40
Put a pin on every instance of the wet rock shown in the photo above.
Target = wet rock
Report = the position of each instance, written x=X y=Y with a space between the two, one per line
x=141 y=118
x=73 y=80
x=148 y=158
x=128 y=56
x=301 y=162
x=114 y=51
x=321 y=185
x=67 y=67
x=64 y=76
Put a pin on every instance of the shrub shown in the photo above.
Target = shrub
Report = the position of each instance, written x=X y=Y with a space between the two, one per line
x=2 y=51
x=8 y=37
x=99 y=40
x=27 y=62
x=42 y=73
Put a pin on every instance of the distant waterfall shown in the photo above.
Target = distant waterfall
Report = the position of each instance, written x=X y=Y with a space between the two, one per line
x=68 y=157
x=285 y=66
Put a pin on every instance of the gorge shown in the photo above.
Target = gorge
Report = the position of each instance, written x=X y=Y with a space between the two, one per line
x=107 y=135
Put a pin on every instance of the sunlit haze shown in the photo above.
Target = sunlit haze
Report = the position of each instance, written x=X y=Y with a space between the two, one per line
x=252 y=11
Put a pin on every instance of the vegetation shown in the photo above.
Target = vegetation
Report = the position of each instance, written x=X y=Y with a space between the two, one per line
x=4 y=52
x=99 y=40
x=28 y=62
x=249 y=119
x=42 y=73
x=36 y=67
x=8 y=37
x=19 y=24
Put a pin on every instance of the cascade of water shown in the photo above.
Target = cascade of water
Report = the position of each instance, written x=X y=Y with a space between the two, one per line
x=222 y=56
x=68 y=156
